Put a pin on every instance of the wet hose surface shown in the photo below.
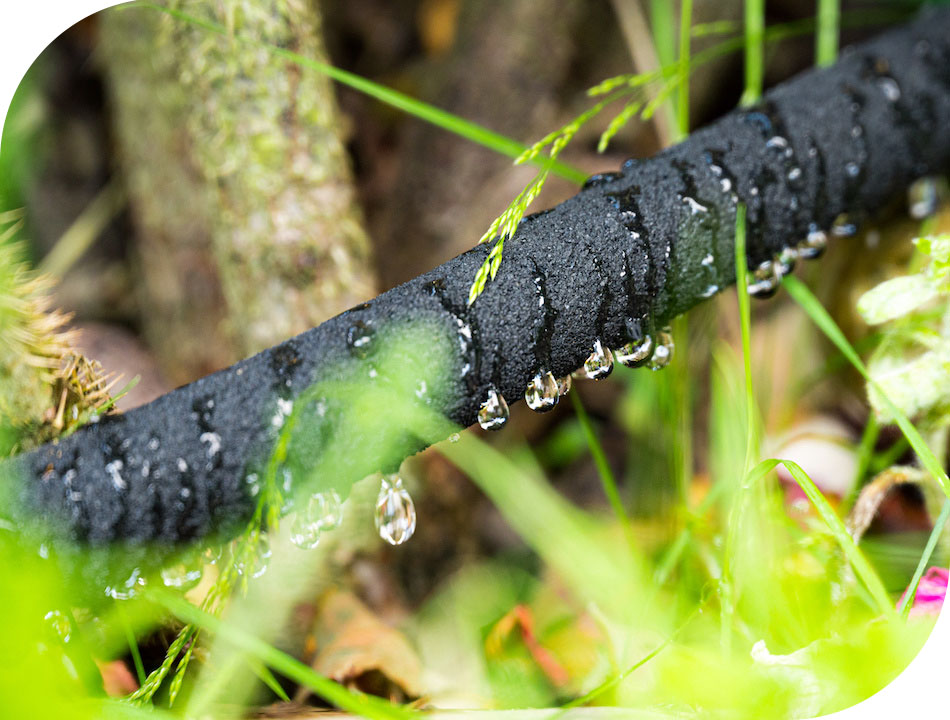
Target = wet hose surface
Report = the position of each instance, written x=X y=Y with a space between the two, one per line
x=626 y=254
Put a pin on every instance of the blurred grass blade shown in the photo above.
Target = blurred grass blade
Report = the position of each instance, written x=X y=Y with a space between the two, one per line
x=607 y=478
x=907 y=602
x=809 y=303
x=862 y=567
x=826 y=37
x=754 y=46
x=417 y=108
x=366 y=706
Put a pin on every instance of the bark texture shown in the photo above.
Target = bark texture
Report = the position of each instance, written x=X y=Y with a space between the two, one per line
x=626 y=254
x=240 y=184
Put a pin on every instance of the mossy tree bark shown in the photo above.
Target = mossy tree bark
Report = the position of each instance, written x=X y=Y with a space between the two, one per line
x=240 y=183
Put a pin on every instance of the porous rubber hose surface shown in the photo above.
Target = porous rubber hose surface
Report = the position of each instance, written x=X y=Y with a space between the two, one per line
x=627 y=253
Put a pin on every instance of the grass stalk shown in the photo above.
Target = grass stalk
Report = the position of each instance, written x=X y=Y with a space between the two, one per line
x=607 y=477
x=907 y=602
x=754 y=51
x=826 y=38
x=682 y=94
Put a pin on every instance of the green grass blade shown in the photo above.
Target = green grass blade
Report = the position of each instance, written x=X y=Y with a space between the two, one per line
x=862 y=567
x=607 y=478
x=908 y=600
x=754 y=50
x=826 y=39
x=745 y=323
x=133 y=646
x=682 y=96
x=809 y=303
x=417 y=108
x=362 y=705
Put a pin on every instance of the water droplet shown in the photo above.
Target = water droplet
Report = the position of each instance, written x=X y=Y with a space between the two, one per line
x=113 y=469
x=564 y=385
x=323 y=511
x=694 y=206
x=663 y=352
x=601 y=179
x=922 y=198
x=708 y=260
x=890 y=88
x=183 y=575
x=182 y=465
x=764 y=280
x=127 y=589
x=794 y=176
x=493 y=413
x=253 y=484
x=153 y=444
x=260 y=560
x=542 y=393
x=454 y=438
x=635 y=353
x=214 y=443
x=785 y=261
x=599 y=363
x=853 y=169
x=395 y=511
x=813 y=245
x=359 y=338
x=59 y=624
x=843 y=226
x=709 y=291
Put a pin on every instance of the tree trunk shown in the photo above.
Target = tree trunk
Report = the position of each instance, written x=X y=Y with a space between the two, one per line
x=240 y=183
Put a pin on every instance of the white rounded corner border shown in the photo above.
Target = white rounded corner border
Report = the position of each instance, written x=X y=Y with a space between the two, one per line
x=28 y=26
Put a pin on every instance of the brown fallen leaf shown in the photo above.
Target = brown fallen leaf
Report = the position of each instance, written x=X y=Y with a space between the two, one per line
x=355 y=648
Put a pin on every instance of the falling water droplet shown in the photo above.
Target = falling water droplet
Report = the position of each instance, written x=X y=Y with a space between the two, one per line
x=493 y=414
x=395 y=511
x=359 y=337
x=785 y=261
x=599 y=363
x=663 y=352
x=635 y=353
x=183 y=575
x=922 y=198
x=541 y=394
x=59 y=624
x=764 y=280
x=564 y=385
x=813 y=245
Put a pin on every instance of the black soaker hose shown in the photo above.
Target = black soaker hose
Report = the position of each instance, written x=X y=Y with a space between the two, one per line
x=627 y=253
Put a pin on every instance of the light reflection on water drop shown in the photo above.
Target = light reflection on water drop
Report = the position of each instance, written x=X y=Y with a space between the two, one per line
x=635 y=353
x=564 y=385
x=395 y=511
x=59 y=624
x=322 y=512
x=542 y=392
x=813 y=245
x=764 y=280
x=493 y=414
x=600 y=363
x=923 y=198
x=182 y=576
x=663 y=352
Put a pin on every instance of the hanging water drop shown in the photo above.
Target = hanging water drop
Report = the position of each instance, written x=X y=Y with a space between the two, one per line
x=764 y=280
x=785 y=261
x=323 y=511
x=262 y=557
x=127 y=588
x=564 y=385
x=635 y=353
x=183 y=575
x=541 y=394
x=922 y=198
x=493 y=414
x=663 y=352
x=599 y=363
x=843 y=226
x=395 y=511
x=813 y=245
